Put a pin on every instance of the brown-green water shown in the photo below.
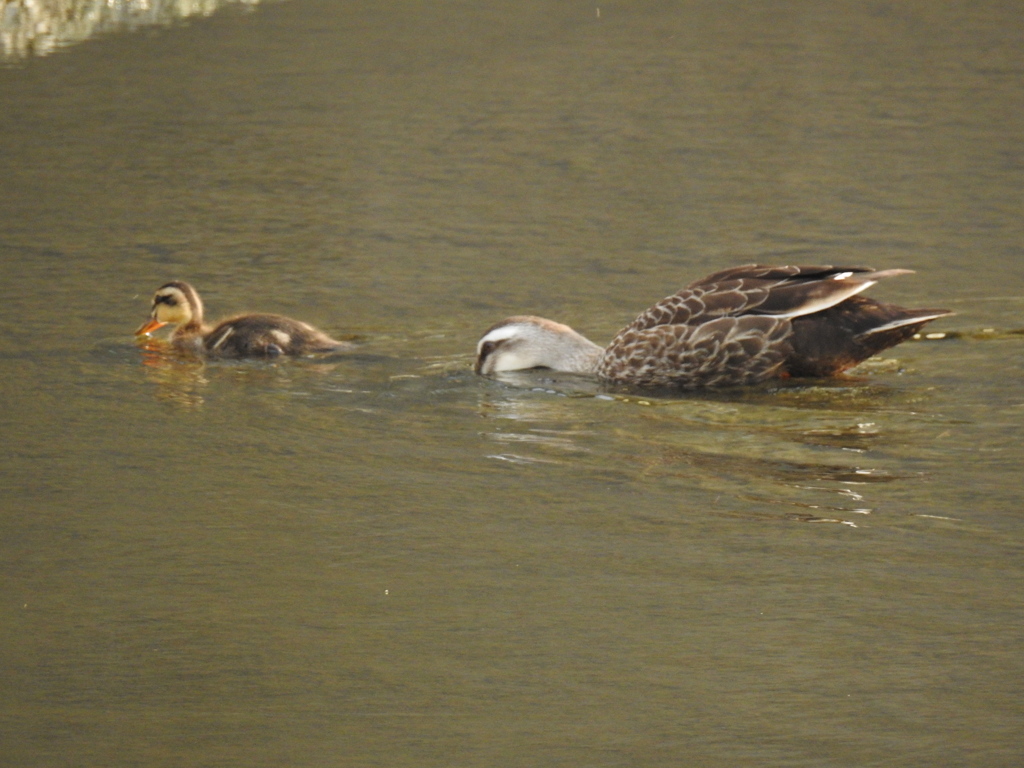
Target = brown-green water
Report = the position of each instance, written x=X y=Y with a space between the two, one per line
x=380 y=559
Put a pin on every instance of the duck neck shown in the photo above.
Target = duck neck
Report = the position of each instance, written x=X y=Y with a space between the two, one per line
x=578 y=354
x=193 y=327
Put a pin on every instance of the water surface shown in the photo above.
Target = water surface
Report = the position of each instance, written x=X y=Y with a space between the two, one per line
x=379 y=558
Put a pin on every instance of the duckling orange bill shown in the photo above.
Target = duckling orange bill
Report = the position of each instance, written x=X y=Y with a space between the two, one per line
x=149 y=326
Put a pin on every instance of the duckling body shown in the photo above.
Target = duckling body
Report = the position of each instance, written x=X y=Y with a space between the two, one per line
x=252 y=335
x=739 y=326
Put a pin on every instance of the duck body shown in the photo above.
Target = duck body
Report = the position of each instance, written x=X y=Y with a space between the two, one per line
x=736 y=327
x=252 y=335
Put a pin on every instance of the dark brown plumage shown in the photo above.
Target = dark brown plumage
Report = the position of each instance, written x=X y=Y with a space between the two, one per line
x=739 y=326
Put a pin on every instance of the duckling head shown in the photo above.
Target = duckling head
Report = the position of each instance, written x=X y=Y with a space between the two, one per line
x=524 y=341
x=174 y=303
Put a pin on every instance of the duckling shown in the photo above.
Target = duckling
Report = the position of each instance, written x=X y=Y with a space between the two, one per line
x=258 y=335
x=739 y=326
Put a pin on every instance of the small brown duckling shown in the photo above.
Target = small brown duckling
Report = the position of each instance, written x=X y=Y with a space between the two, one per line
x=257 y=335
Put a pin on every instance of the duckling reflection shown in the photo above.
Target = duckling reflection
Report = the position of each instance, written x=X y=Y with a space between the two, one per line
x=179 y=379
x=182 y=378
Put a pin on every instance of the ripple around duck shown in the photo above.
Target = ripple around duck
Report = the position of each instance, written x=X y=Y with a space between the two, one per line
x=790 y=465
x=854 y=451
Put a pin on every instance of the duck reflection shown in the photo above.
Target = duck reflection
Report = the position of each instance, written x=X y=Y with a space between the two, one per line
x=525 y=426
x=182 y=378
x=764 y=487
x=753 y=454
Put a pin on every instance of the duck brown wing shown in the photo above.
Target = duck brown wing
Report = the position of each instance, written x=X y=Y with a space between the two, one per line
x=788 y=291
x=728 y=351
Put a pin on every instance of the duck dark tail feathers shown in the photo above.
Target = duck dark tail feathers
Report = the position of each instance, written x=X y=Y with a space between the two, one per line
x=828 y=342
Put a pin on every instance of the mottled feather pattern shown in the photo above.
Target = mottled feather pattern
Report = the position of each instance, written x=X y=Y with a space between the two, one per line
x=743 y=290
x=692 y=305
x=720 y=330
x=690 y=346
x=727 y=351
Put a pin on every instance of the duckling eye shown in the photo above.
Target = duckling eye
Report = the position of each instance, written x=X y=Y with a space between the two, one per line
x=487 y=347
x=168 y=300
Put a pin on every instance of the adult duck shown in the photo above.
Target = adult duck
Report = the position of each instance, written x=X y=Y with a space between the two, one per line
x=739 y=326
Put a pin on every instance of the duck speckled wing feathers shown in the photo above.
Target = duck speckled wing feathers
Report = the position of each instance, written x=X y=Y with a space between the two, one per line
x=754 y=289
x=726 y=351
